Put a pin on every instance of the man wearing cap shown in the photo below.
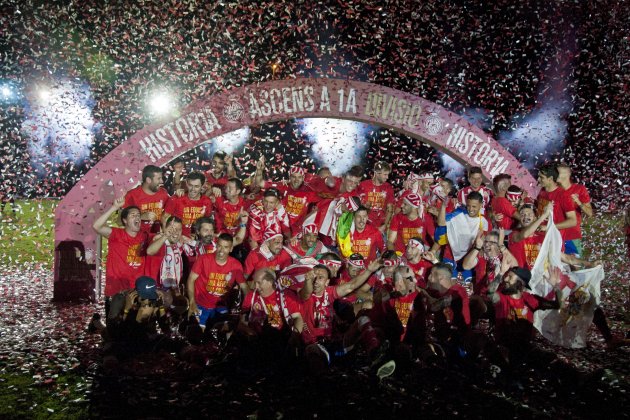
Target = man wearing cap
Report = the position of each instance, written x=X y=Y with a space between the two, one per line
x=475 y=179
x=266 y=215
x=514 y=307
x=212 y=278
x=270 y=254
x=411 y=222
x=126 y=248
x=354 y=266
x=149 y=197
x=366 y=239
x=503 y=211
x=306 y=244
x=377 y=195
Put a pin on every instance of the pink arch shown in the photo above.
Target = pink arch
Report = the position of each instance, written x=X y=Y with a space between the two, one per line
x=260 y=103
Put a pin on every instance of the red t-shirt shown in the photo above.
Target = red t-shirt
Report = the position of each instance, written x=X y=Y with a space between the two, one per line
x=456 y=314
x=501 y=205
x=367 y=243
x=318 y=185
x=227 y=220
x=215 y=280
x=526 y=251
x=189 y=210
x=211 y=181
x=317 y=312
x=511 y=309
x=125 y=260
x=575 y=232
x=406 y=229
x=296 y=203
x=403 y=306
x=563 y=204
x=378 y=197
x=421 y=270
x=255 y=261
x=485 y=192
x=269 y=309
x=145 y=202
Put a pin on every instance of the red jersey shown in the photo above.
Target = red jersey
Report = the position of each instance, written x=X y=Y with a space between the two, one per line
x=422 y=227
x=146 y=203
x=215 y=280
x=526 y=251
x=318 y=185
x=501 y=205
x=512 y=309
x=563 y=204
x=421 y=270
x=403 y=305
x=575 y=232
x=211 y=181
x=486 y=271
x=367 y=243
x=296 y=203
x=228 y=219
x=318 y=314
x=189 y=210
x=125 y=260
x=377 y=198
x=271 y=310
x=485 y=192
x=259 y=221
x=458 y=313
x=255 y=261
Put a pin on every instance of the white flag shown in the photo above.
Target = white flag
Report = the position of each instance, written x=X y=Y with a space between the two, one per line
x=580 y=295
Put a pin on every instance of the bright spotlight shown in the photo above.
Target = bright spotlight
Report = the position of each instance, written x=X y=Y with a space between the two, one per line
x=161 y=103
x=6 y=92
x=44 y=94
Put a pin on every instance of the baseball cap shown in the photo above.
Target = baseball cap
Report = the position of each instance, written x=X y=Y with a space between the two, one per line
x=146 y=288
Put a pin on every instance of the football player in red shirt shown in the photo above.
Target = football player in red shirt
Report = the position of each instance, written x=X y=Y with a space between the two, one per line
x=149 y=197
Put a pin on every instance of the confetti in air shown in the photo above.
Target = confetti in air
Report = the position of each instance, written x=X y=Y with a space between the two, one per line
x=59 y=124
x=338 y=144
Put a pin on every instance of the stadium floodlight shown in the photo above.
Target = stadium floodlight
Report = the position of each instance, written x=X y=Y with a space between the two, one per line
x=161 y=103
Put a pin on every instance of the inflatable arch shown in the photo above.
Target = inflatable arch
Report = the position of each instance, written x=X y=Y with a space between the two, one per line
x=77 y=247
